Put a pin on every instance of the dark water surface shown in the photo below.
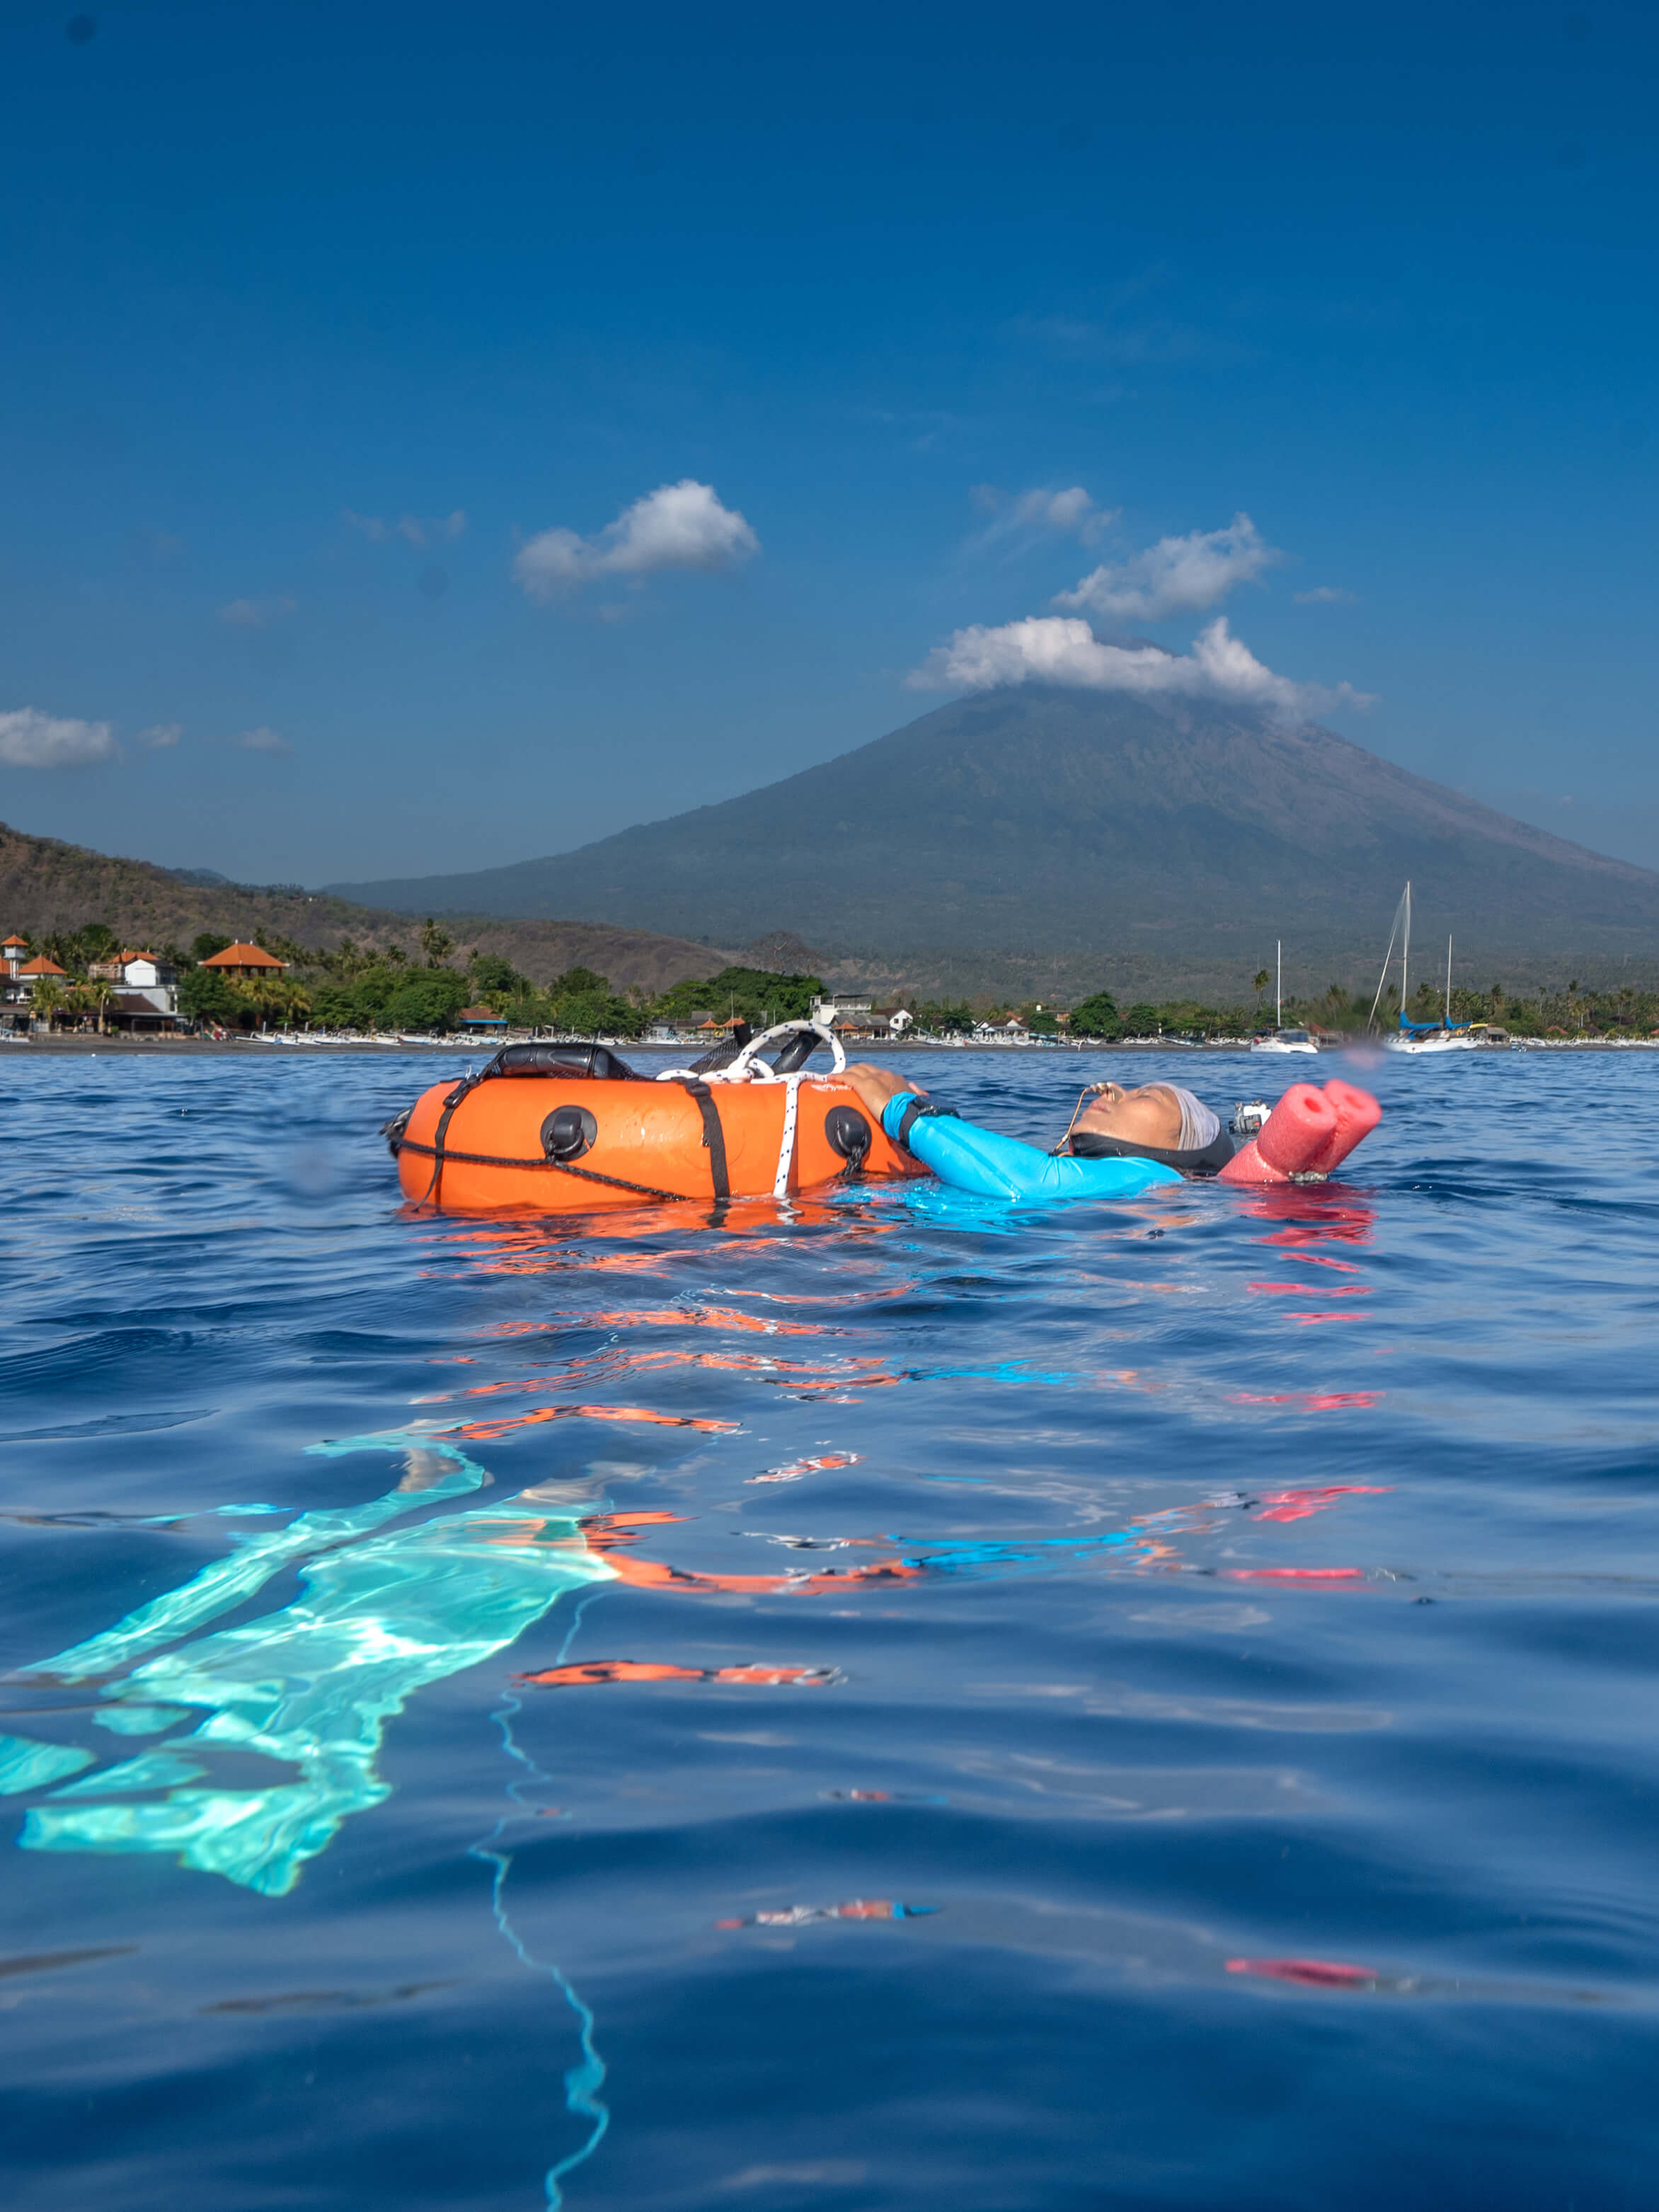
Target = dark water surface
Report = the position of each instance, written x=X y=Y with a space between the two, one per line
x=1225 y=1624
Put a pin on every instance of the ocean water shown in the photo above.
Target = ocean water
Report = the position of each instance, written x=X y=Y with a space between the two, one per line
x=1148 y=1706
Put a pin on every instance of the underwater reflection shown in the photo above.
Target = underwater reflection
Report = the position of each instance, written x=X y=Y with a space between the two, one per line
x=310 y=1686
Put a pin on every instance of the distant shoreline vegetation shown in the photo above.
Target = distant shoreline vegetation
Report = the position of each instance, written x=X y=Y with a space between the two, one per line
x=387 y=990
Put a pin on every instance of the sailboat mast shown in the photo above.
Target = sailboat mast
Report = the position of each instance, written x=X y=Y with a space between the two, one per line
x=1405 y=955
x=1447 y=1022
x=1279 y=982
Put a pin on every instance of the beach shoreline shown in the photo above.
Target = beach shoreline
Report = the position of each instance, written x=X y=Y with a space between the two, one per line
x=244 y=1047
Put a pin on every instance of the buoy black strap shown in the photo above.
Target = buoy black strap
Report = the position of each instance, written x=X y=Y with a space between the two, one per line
x=468 y=1082
x=714 y=1136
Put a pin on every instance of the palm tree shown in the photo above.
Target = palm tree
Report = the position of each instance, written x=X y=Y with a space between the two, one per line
x=46 y=1000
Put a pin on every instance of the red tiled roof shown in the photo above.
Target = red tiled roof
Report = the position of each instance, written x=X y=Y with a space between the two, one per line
x=41 y=966
x=10 y=941
x=244 y=955
x=480 y=1014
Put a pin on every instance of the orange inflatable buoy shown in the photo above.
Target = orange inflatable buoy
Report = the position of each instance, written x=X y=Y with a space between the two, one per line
x=569 y=1128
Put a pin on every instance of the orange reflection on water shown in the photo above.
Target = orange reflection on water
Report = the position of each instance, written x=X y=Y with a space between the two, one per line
x=796 y=1468
x=1311 y=1216
x=1310 y=1402
x=842 y=1374
x=697 y=1317
x=611 y=1534
x=487 y=1431
x=1311 y=1973
x=586 y=1672
x=1293 y=1574
x=1301 y=1504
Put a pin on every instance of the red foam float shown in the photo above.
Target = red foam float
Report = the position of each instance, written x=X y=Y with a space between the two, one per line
x=1309 y=1133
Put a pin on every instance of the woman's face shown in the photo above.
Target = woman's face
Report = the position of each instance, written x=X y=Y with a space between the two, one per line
x=1147 y=1116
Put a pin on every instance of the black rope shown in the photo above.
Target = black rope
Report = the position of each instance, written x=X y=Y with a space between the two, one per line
x=557 y=1167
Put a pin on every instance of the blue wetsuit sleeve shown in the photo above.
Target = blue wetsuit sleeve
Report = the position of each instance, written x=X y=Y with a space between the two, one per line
x=978 y=1160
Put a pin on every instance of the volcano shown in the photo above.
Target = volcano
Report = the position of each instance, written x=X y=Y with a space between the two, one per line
x=1051 y=824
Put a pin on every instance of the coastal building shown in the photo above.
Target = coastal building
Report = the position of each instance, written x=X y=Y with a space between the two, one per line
x=480 y=1021
x=18 y=982
x=248 y=963
x=147 y=993
x=846 y=1008
x=19 y=976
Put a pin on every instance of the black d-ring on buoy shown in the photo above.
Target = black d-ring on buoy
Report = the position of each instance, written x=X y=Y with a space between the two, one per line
x=568 y=1133
x=847 y=1132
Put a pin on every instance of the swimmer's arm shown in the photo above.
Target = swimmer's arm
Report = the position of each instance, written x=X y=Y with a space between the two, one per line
x=970 y=1158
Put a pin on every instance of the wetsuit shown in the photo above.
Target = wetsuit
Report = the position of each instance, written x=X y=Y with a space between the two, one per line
x=978 y=1160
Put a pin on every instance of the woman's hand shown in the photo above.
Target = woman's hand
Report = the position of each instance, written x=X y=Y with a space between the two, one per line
x=875 y=1085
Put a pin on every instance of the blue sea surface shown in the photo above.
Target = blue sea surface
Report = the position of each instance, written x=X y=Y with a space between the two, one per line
x=1146 y=1705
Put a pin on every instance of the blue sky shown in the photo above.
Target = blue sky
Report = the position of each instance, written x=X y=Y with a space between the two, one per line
x=350 y=356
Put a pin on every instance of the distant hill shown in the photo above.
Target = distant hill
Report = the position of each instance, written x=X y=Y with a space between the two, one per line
x=1043 y=833
x=45 y=886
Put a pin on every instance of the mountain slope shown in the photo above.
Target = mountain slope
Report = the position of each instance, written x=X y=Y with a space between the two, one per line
x=1060 y=822
x=47 y=886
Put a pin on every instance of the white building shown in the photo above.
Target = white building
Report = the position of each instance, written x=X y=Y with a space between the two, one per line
x=148 y=988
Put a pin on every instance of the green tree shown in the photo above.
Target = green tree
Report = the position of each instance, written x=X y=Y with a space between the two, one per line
x=207 y=943
x=437 y=944
x=1096 y=1017
x=1141 y=1021
x=497 y=982
x=428 y=1002
x=334 y=1006
x=598 y=1013
x=760 y=995
x=96 y=941
x=205 y=995
x=46 y=1000
x=943 y=1016
x=1260 y=980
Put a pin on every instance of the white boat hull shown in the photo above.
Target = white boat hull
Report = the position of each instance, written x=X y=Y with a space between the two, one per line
x=1417 y=1047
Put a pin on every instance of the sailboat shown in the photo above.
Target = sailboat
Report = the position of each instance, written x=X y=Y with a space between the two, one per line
x=1282 y=1040
x=1419 y=1037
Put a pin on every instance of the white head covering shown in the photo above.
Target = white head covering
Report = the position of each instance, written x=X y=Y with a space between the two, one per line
x=1198 y=1126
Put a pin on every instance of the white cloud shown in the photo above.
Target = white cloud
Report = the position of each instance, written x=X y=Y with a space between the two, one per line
x=1178 y=575
x=31 y=739
x=161 y=735
x=1029 y=513
x=418 y=530
x=257 y=614
x=262 y=740
x=678 y=525
x=1063 y=649
x=1325 y=595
